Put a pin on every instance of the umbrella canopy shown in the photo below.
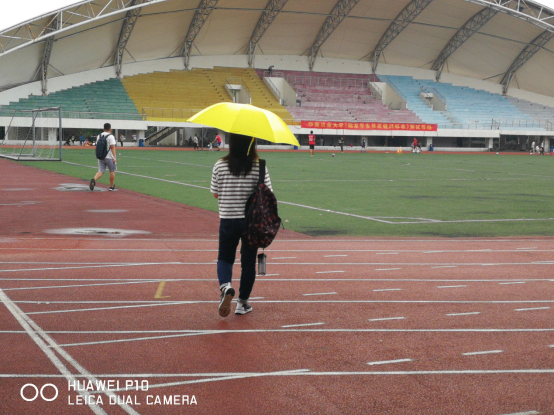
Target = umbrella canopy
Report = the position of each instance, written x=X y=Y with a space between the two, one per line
x=247 y=120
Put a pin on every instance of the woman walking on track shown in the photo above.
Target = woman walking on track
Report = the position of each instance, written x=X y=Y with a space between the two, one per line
x=234 y=179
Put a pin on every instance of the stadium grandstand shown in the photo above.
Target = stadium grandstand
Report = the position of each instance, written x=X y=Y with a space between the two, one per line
x=471 y=74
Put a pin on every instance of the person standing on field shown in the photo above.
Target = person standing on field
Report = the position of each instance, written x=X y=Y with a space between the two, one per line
x=341 y=144
x=195 y=141
x=311 y=142
x=217 y=141
x=234 y=179
x=109 y=161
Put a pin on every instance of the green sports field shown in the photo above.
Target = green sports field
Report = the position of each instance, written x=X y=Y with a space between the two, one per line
x=390 y=195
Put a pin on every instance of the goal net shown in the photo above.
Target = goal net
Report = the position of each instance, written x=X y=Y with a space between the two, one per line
x=32 y=135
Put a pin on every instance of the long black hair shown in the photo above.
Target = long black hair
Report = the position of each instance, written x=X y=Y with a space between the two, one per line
x=239 y=159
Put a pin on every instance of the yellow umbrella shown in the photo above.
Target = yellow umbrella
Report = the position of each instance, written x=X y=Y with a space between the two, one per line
x=247 y=120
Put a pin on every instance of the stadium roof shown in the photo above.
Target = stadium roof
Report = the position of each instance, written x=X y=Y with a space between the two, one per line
x=508 y=42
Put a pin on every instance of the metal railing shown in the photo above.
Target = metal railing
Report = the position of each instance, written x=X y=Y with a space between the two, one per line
x=432 y=91
x=497 y=125
x=168 y=113
x=237 y=81
x=297 y=80
x=395 y=89
x=274 y=90
x=335 y=98
x=375 y=90
x=545 y=124
x=274 y=74
x=77 y=115
x=549 y=126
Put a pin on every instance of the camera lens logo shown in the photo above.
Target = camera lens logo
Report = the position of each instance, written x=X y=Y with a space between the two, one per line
x=27 y=395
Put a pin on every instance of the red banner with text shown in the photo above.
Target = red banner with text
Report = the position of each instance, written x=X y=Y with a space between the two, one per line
x=329 y=125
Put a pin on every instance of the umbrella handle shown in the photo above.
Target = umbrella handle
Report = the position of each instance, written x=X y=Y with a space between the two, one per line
x=249 y=147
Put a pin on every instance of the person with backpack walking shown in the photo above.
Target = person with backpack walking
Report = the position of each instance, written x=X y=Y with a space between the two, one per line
x=234 y=180
x=105 y=153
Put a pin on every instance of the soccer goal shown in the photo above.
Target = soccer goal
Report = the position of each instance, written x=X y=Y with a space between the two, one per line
x=32 y=135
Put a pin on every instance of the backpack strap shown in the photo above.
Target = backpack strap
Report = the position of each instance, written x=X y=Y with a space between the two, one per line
x=261 y=178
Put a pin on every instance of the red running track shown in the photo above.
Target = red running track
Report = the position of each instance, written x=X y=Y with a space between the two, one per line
x=457 y=326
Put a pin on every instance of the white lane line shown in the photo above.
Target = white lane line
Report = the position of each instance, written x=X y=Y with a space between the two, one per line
x=95 y=266
x=293 y=330
x=285 y=257
x=388 y=269
x=78 y=285
x=451 y=286
x=310 y=264
x=223 y=378
x=272 y=280
x=110 y=308
x=524 y=413
x=386 y=362
x=387 y=318
x=481 y=353
x=302 y=325
x=135 y=339
x=474 y=313
x=329 y=272
x=333 y=256
x=333 y=293
x=433 y=252
x=57 y=263
x=532 y=309
x=196 y=302
x=526 y=248
x=46 y=343
x=306 y=372
x=388 y=289
x=188 y=333
x=511 y=283
x=325 y=241
x=215 y=250
x=445 y=266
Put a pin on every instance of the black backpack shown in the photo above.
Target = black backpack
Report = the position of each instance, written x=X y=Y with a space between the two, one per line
x=262 y=218
x=102 y=148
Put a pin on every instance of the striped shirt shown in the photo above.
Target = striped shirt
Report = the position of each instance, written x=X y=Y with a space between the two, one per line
x=234 y=191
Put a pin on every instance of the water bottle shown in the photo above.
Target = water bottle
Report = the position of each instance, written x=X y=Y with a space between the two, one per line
x=261 y=263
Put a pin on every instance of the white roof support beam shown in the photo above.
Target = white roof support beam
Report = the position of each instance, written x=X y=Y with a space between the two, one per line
x=404 y=18
x=125 y=34
x=530 y=50
x=205 y=8
x=271 y=11
x=530 y=11
x=48 y=46
x=69 y=18
x=338 y=14
x=471 y=27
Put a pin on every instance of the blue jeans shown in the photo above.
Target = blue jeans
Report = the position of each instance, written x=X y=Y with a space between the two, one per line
x=231 y=231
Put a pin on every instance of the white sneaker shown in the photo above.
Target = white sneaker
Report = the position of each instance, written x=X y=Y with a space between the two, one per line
x=243 y=308
x=227 y=294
